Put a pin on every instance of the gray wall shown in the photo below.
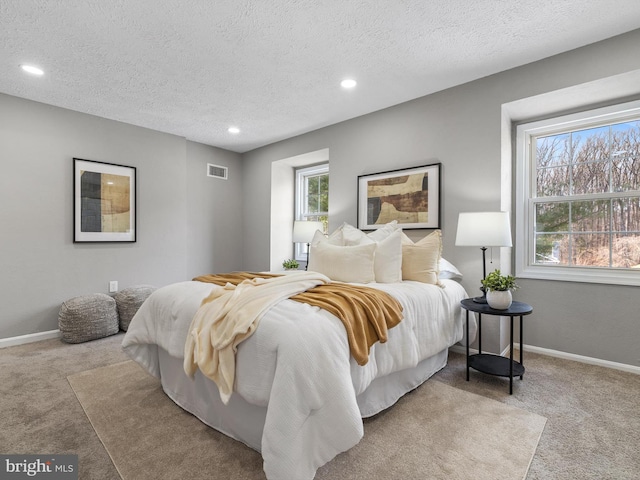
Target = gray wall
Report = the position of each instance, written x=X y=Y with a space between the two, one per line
x=214 y=214
x=39 y=263
x=462 y=128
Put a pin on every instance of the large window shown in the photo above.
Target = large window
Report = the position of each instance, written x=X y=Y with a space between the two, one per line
x=312 y=199
x=578 y=196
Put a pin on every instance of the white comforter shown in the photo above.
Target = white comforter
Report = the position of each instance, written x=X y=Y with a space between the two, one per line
x=297 y=364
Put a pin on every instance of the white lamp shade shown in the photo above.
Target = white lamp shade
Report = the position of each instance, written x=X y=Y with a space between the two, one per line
x=484 y=229
x=303 y=232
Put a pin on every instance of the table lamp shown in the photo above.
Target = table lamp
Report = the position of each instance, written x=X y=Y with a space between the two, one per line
x=483 y=229
x=303 y=232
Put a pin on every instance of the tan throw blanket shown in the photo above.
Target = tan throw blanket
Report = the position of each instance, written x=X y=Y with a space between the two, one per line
x=365 y=312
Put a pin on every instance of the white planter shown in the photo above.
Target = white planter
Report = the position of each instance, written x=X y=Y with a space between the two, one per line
x=499 y=300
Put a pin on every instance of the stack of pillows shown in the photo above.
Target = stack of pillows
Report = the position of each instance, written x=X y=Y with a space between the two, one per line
x=385 y=255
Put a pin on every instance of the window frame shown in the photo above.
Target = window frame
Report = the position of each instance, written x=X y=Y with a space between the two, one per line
x=300 y=249
x=525 y=171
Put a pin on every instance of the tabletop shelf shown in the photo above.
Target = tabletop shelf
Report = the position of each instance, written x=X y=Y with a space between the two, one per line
x=495 y=365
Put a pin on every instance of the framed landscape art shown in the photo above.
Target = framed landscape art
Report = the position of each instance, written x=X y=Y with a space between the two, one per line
x=411 y=196
x=104 y=202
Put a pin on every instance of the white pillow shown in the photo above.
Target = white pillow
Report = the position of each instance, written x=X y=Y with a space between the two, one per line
x=385 y=231
x=387 y=263
x=335 y=238
x=388 y=255
x=319 y=237
x=352 y=236
x=344 y=264
x=448 y=270
x=421 y=260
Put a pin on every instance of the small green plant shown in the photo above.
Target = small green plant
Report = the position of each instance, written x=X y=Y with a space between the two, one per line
x=495 y=282
x=290 y=264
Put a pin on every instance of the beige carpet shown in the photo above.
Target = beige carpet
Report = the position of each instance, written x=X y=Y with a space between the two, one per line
x=435 y=432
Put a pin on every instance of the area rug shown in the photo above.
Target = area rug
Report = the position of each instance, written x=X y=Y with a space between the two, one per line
x=435 y=432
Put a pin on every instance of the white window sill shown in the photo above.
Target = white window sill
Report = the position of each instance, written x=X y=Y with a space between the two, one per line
x=577 y=274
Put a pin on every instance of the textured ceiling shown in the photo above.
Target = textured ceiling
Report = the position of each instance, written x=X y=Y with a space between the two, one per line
x=273 y=67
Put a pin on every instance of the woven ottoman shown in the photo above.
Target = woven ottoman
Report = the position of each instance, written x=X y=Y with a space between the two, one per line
x=88 y=317
x=128 y=301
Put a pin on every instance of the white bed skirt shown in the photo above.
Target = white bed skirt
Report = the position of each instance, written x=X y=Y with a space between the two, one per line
x=244 y=421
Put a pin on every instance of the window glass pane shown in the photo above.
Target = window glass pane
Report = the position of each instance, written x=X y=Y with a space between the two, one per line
x=553 y=182
x=626 y=251
x=590 y=216
x=590 y=250
x=625 y=139
x=313 y=185
x=625 y=149
x=324 y=193
x=552 y=217
x=591 y=144
x=317 y=200
x=626 y=214
x=625 y=173
x=312 y=204
x=553 y=150
x=591 y=177
x=551 y=249
x=323 y=201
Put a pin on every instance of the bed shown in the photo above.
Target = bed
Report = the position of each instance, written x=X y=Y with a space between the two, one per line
x=298 y=395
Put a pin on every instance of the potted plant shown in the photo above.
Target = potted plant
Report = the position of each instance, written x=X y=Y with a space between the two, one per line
x=290 y=264
x=498 y=288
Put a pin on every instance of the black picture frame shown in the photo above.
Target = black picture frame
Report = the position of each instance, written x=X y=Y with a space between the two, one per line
x=411 y=196
x=104 y=202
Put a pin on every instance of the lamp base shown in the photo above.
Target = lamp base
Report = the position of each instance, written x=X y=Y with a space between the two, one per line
x=482 y=298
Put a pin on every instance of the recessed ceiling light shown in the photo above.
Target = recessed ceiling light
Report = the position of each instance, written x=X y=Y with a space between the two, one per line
x=233 y=130
x=348 y=83
x=31 y=69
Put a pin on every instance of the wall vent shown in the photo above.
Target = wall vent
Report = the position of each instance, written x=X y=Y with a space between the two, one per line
x=217 y=171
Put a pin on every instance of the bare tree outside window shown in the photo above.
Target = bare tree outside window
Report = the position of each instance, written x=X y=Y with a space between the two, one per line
x=587 y=202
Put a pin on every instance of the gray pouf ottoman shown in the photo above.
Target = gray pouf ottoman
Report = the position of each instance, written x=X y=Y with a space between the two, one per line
x=88 y=317
x=129 y=300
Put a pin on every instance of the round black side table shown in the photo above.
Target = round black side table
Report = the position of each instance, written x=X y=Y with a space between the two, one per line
x=496 y=364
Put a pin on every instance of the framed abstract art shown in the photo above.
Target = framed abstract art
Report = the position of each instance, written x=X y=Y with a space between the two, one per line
x=104 y=202
x=410 y=196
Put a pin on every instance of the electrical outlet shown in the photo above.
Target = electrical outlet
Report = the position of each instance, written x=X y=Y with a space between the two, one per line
x=113 y=286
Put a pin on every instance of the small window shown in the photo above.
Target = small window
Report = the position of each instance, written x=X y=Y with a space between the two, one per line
x=312 y=199
x=578 y=197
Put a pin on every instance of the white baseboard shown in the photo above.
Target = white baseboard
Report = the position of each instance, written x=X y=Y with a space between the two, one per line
x=558 y=354
x=30 y=338
x=582 y=359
